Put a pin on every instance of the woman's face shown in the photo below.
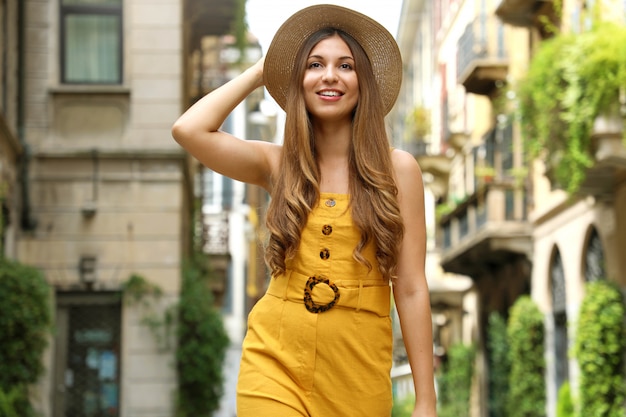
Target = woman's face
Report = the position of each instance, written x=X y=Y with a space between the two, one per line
x=331 y=86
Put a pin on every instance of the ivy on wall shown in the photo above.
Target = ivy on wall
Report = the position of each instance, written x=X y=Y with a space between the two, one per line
x=202 y=344
x=201 y=337
x=25 y=325
x=145 y=295
x=599 y=347
x=572 y=79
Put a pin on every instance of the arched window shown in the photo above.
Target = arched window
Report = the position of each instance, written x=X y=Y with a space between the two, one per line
x=559 y=314
x=594 y=258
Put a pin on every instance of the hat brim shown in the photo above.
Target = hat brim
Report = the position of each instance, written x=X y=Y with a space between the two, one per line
x=379 y=45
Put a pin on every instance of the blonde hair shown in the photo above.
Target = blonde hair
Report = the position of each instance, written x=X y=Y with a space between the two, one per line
x=372 y=188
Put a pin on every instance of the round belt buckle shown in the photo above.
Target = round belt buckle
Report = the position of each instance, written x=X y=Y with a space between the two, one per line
x=311 y=305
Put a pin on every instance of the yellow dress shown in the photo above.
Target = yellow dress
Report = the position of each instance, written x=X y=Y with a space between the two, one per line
x=319 y=342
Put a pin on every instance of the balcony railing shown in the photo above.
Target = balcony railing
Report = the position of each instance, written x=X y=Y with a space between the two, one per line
x=481 y=55
x=216 y=234
x=485 y=229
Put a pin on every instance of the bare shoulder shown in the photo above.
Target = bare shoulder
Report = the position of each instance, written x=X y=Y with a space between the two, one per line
x=406 y=168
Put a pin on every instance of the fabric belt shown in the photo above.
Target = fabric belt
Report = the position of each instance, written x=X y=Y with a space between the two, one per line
x=372 y=295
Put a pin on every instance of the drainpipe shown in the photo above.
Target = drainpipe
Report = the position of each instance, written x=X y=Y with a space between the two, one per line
x=28 y=223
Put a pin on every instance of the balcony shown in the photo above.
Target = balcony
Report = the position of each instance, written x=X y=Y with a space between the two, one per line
x=215 y=237
x=609 y=150
x=482 y=63
x=208 y=18
x=487 y=229
x=436 y=164
x=527 y=13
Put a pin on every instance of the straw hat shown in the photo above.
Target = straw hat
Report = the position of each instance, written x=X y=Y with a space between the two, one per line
x=379 y=45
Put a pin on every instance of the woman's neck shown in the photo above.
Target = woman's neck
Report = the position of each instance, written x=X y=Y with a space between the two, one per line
x=332 y=150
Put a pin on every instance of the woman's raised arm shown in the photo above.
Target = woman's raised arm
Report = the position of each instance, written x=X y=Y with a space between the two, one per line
x=197 y=131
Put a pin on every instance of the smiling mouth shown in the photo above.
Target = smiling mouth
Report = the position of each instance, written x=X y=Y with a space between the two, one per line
x=330 y=93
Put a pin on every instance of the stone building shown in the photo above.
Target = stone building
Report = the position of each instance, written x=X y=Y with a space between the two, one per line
x=452 y=295
x=580 y=237
x=501 y=222
x=94 y=189
x=12 y=152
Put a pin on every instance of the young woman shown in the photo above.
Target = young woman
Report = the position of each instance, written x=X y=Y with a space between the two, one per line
x=346 y=222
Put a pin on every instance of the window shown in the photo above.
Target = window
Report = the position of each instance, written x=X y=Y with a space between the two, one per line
x=91 y=41
x=559 y=316
x=594 y=259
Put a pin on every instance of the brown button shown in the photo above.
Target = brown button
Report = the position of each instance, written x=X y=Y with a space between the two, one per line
x=327 y=229
x=324 y=254
x=330 y=203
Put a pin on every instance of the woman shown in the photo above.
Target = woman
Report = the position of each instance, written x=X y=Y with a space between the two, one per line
x=346 y=222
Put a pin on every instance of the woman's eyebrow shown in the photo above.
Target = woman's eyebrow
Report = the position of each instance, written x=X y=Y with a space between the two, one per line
x=340 y=58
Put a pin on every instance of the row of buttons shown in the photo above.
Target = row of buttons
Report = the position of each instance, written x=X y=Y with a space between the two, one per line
x=327 y=229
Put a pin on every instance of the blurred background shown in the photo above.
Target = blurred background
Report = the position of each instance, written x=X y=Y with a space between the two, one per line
x=127 y=270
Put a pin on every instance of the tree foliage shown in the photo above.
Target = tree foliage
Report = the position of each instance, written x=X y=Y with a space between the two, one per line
x=525 y=331
x=455 y=382
x=564 y=401
x=599 y=348
x=499 y=365
x=25 y=323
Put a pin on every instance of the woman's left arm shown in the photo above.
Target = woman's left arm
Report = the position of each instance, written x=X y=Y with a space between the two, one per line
x=410 y=288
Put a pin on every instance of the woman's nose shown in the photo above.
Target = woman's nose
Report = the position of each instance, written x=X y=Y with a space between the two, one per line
x=330 y=74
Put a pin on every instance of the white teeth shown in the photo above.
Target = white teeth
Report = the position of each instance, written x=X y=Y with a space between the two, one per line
x=330 y=93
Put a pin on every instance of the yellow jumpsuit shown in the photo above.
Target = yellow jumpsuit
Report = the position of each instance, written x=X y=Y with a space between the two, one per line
x=319 y=342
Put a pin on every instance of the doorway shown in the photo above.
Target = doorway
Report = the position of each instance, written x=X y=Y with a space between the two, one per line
x=87 y=355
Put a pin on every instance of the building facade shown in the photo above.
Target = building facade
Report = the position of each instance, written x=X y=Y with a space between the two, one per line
x=500 y=220
x=95 y=193
x=577 y=237
x=11 y=146
x=411 y=124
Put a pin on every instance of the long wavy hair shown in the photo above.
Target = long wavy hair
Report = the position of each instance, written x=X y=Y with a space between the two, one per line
x=373 y=191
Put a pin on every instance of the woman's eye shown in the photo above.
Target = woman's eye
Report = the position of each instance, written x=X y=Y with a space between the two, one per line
x=346 y=66
x=315 y=65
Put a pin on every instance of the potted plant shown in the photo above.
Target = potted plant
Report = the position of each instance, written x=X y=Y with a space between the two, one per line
x=419 y=122
x=572 y=80
x=485 y=173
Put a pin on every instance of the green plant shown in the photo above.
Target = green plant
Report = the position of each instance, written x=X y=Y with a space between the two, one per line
x=499 y=365
x=599 y=347
x=455 y=382
x=136 y=289
x=25 y=324
x=549 y=24
x=485 y=171
x=140 y=292
x=444 y=209
x=418 y=121
x=403 y=407
x=564 y=402
x=239 y=28
x=571 y=80
x=3 y=187
x=202 y=344
x=525 y=333
x=10 y=401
